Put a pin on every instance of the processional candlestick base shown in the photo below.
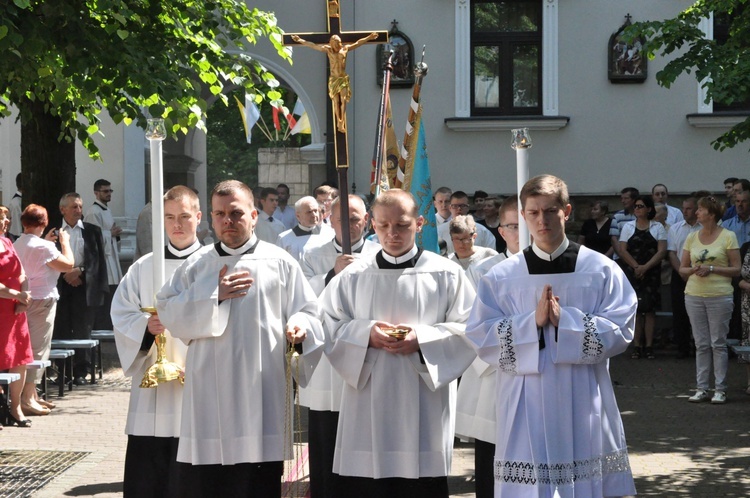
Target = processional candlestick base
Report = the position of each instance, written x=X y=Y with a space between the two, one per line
x=163 y=370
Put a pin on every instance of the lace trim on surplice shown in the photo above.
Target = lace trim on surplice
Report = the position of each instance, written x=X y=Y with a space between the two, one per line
x=507 y=360
x=592 y=348
x=558 y=474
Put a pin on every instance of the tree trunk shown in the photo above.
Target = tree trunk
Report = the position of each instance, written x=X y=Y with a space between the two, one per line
x=48 y=162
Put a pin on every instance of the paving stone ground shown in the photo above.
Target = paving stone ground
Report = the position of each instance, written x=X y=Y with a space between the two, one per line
x=677 y=449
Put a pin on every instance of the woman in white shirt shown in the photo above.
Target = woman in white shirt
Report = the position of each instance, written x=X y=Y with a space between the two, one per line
x=43 y=263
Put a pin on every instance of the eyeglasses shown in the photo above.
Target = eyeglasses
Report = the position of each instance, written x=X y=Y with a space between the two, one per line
x=639 y=206
x=459 y=206
x=467 y=240
x=513 y=227
x=106 y=191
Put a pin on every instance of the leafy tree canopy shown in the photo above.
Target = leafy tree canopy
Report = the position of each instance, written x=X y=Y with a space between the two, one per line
x=723 y=68
x=80 y=57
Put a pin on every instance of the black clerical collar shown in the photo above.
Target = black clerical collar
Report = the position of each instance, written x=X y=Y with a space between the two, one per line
x=563 y=263
x=171 y=252
x=356 y=247
x=301 y=231
x=555 y=254
x=408 y=260
x=17 y=194
x=246 y=248
x=103 y=206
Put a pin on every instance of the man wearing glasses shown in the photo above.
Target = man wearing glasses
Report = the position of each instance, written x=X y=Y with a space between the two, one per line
x=459 y=206
x=100 y=215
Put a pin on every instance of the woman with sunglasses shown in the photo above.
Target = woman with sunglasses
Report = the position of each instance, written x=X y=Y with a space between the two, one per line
x=710 y=259
x=643 y=245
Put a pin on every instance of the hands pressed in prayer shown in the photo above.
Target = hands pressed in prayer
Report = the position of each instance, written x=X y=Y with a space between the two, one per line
x=233 y=285
x=381 y=340
x=154 y=325
x=548 y=309
x=295 y=335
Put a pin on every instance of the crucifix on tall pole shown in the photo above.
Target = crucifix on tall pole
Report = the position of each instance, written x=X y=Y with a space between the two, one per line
x=336 y=44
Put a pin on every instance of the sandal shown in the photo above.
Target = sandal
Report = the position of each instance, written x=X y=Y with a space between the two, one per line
x=649 y=353
x=636 y=353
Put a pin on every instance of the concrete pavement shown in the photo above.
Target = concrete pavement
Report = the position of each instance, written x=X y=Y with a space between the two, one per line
x=676 y=448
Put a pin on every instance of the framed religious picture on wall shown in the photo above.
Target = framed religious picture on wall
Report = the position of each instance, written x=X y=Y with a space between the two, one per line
x=403 y=58
x=627 y=63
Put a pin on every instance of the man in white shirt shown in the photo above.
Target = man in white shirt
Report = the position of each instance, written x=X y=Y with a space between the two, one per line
x=676 y=237
x=442 y=202
x=153 y=422
x=239 y=304
x=284 y=212
x=395 y=324
x=100 y=215
x=323 y=394
x=660 y=194
x=550 y=319
x=268 y=228
x=308 y=232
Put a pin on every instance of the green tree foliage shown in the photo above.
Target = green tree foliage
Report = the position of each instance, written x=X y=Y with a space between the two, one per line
x=80 y=57
x=722 y=68
x=64 y=62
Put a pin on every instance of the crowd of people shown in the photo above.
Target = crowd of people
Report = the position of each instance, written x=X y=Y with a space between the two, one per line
x=377 y=339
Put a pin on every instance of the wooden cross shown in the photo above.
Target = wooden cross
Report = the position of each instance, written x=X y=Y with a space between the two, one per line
x=336 y=44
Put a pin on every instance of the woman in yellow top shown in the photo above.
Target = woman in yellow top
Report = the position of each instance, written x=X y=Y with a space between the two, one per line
x=710 y=258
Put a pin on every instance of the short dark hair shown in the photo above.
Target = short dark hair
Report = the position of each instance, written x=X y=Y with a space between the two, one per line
x=442 y=190
x=265 y=192
x=480 y=194
x=731 y=180
x=19 y=181
x=660 y=185
x=459 y=194
x=744 y=182
x=604 y=205
x=101 y=183
x=229 y=187
x=282 y=185
x=632 y=191
x=649 y=202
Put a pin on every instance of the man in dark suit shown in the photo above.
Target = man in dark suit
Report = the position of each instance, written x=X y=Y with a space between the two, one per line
x=83 y=289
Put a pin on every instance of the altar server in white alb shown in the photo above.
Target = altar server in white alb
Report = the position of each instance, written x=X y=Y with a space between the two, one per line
x=308 y=232
x=323 y=394
x=238 y=304
x=153 y=423
x=395 y=431
x=550 y=319
x=475 y=405
x=100 y=215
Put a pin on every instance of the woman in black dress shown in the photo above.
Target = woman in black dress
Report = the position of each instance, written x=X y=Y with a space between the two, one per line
x=595 y=231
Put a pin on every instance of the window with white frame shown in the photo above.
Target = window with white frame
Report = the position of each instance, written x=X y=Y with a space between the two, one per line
x=506 y=57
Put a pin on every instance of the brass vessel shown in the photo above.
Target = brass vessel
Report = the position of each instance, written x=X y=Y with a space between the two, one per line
x=162 y=370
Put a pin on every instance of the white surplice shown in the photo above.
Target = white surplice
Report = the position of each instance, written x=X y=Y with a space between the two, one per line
x=475 y=402
x=323 y=392
x=235 y=385
x=397 y=411
x=559 y=431
x=152 y=411
x=297 y=241
x=101 y=216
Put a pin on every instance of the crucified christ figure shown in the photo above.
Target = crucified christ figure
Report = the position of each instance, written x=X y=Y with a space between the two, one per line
x=338 y=82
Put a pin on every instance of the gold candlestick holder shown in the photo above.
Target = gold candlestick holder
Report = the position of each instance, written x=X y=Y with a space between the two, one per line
x=162 y=370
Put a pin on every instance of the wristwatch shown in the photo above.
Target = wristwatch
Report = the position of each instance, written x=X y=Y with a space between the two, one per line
x=711 y=269
x=80 y=269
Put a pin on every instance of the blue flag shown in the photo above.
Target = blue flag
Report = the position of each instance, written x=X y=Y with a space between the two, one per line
x=417 y=181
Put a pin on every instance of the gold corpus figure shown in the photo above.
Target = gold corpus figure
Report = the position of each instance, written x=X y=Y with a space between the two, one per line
x=339 y=89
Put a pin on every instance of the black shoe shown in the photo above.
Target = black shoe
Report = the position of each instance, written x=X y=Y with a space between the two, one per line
x=80 y=381
x=20 y=423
